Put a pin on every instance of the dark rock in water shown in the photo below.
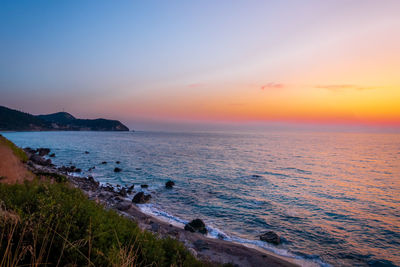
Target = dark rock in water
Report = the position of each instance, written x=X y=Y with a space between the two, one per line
x=40 y=160
x=78 y=170
x=196 y=225
x=270 y=237
x=169 y=184
x=130 y=189
x=256 y=176
x=104 y=162
x=141 y=198
x=52 y=155
x=30 y=150
x=118 y=162
x=138 y=169
x=123 y=192
x=123 y=206
x=43 y=151
x=91 y=168
x=86 y=152
x=117 y=169
x=144 y=185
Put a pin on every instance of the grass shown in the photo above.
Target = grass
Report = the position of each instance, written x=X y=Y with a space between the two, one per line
x=16 y=150
x=44 y=223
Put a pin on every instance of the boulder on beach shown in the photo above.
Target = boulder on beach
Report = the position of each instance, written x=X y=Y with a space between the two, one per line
x=270 y=237
x=169 y=184
x=196 y=226
x=117 y=169
x=141 y=198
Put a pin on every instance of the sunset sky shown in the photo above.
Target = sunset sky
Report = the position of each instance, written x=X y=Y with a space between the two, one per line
x=157 y=63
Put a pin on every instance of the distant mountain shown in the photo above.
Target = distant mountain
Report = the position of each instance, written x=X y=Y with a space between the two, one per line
x=13 y=120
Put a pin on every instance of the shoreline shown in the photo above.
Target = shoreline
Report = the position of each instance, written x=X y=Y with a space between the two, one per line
x=204 y=248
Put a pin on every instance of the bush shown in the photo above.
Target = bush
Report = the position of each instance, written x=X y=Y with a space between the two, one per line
x=52 y=223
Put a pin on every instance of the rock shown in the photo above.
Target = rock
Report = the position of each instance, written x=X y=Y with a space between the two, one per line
x=77 y=170
x=144 y=185
x=270 y=237
x=104 y=162
x=40 y=160
x=118 y=162
x=123 y=206
x=193 y=252
x=256 y=176
x=130 y=189
x=92 y=181
x=123 y=192
x=118 y=199
x=86 y=152
x=117 y=169
x=141 y=198
x=43 y=151
x=52 y=155
x=196 y=225
x=138 y=169
x=91 y=168
x=30 y=150
x=169 y=184
x=154 y=226
x=200 y=244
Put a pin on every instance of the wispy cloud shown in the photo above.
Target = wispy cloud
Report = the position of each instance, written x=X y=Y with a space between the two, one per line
x=271 y=85
x=342 y=87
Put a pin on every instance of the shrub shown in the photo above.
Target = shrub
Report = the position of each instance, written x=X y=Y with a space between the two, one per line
x=52 y=223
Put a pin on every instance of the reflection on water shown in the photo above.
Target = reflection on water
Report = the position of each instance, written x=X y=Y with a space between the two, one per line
x=333 y=197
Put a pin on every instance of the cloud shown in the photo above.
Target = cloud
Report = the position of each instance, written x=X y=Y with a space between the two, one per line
x=342 y=87
x=271 y=86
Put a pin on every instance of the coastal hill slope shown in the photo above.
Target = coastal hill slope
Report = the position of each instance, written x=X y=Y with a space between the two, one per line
x=14 y=120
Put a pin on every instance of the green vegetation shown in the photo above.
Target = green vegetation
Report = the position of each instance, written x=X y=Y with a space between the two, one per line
x=14 y=120
x=16 y=150
x=51 y=224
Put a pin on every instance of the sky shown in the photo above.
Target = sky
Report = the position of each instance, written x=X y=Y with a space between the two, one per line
x=198 y=64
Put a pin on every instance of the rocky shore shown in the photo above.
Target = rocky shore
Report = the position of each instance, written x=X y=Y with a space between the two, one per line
x=124 y=200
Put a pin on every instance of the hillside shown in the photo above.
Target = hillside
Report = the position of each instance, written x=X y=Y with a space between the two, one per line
x=13 y=120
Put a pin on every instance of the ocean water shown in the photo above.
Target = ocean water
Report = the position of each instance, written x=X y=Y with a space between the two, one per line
x=334 y=198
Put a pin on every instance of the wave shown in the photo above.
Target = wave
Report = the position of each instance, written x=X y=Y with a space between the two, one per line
x=213 y=232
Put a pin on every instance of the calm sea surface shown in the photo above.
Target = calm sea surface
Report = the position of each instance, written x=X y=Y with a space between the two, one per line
x=333 y=197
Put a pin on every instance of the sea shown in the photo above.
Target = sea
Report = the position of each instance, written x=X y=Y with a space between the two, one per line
x=334 y=198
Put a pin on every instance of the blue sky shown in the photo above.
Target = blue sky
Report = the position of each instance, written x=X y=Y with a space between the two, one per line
x=156 y=61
